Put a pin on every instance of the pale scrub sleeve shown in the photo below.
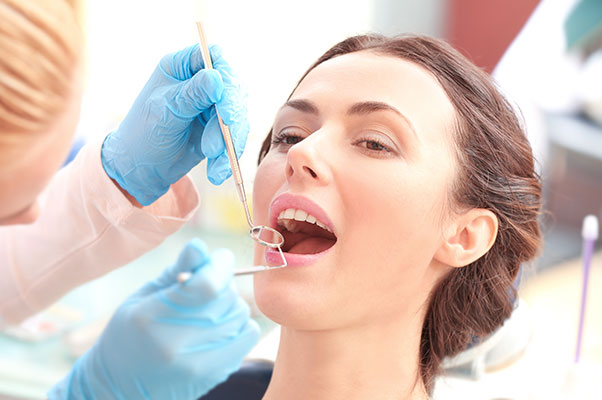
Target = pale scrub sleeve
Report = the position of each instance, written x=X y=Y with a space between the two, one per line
x=85 y=229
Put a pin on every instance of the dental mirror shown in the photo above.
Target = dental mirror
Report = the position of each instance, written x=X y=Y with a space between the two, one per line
x=264 y=235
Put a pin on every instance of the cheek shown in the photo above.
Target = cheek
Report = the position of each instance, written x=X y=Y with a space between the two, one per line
x=22 y=185
x=40 y=159
x=261 y=189
x=293 y=300
x=391 y=235
x=395 y=208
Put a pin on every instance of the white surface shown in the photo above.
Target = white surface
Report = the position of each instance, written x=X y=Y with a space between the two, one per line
x=536 y=73
x=590 y=228
x=267 y=348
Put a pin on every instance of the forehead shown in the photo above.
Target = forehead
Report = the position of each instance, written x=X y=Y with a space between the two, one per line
x=342 y=81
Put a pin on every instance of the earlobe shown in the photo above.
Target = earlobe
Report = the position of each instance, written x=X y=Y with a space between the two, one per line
x=469 y=239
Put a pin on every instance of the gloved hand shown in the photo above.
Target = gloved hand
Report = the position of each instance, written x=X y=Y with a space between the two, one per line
x=169 y=340
x=172 y=126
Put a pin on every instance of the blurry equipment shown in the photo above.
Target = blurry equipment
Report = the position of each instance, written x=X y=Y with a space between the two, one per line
x=583 y=32
x=590 y=235
x=583 y=25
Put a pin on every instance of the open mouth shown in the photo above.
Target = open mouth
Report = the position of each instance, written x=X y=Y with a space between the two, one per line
x=303 y=233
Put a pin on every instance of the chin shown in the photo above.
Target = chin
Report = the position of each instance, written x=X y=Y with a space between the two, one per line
x=280 y=297
x=290 y=301
x=300 y=296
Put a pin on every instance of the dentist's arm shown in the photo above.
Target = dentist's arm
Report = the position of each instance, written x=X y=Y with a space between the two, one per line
x=169 y=340
x=91 y=221
x=86 y=228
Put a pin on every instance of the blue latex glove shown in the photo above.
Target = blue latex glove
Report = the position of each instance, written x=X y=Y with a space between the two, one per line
x=169 y=340
x=172 y=126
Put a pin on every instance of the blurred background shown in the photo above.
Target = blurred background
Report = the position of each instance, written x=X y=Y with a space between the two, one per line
x=546 y=56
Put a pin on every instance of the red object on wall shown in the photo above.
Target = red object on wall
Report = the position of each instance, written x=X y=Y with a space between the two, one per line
x=483 y=29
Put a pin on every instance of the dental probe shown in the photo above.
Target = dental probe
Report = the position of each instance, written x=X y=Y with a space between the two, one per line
x=185 y=276
x=257 y=231
x=236 y=175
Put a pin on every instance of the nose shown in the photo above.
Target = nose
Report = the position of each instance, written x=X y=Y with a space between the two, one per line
x=306 y=164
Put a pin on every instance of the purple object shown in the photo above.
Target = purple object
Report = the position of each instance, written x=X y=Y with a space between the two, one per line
x=590 y=234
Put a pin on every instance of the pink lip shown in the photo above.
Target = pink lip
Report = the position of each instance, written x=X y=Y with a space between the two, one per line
x=272 y=257
x=286 y=201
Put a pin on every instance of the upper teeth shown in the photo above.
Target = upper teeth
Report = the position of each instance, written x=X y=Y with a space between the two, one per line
x=289 y=214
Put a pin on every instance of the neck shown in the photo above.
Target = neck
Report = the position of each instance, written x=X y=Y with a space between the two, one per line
x=376 y=361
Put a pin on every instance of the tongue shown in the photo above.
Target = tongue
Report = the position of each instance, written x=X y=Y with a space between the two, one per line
x=312 y=245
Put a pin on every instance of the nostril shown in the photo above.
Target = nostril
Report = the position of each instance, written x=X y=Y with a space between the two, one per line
x=311 y=172
x=289 y=170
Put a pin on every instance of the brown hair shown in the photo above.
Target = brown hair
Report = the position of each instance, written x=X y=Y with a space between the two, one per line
x=40 y=43
x=495 y=172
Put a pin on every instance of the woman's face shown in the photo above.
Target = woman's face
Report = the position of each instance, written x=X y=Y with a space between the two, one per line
x=363 y=146
x=27 y=165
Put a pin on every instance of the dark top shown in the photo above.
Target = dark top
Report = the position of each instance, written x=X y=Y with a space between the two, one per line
x=250 y=382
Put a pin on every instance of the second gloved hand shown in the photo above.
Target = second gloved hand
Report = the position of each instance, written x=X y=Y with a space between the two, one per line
x=172 y=126
x=169 y=340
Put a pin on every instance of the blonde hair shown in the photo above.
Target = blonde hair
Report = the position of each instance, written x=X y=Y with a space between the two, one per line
x=40 y=46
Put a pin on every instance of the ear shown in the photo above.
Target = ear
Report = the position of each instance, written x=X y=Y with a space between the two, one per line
x=468 y=238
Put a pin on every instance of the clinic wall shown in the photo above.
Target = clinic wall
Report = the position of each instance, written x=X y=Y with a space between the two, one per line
x=393 y=17
x=483 y=30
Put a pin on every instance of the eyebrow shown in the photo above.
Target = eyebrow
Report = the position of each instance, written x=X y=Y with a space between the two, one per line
x=303 y=106
x=361 y=108
x=367 y=107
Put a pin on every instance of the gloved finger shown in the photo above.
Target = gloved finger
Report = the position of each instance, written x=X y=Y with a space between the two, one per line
x=233 y=344
x=218 y=360
x=221 y=319
x=197 y=94
x=178 y=308
x=184 y=64
x=196 y=58
x=181 y=65
x=197 y=127
x=227 y=355
x=193 y=256
x=218 y=169
x=212 y=140
x=233 y=103
x=207 y=282
x=220 y=64
x=240 y=132
x=217 y=58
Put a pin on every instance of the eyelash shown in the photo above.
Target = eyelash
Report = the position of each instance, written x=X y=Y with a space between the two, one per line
x=283 y=136
x=381 y=147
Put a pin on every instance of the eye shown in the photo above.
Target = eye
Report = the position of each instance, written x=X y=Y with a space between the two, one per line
x=374 y=145
x=287 y=137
